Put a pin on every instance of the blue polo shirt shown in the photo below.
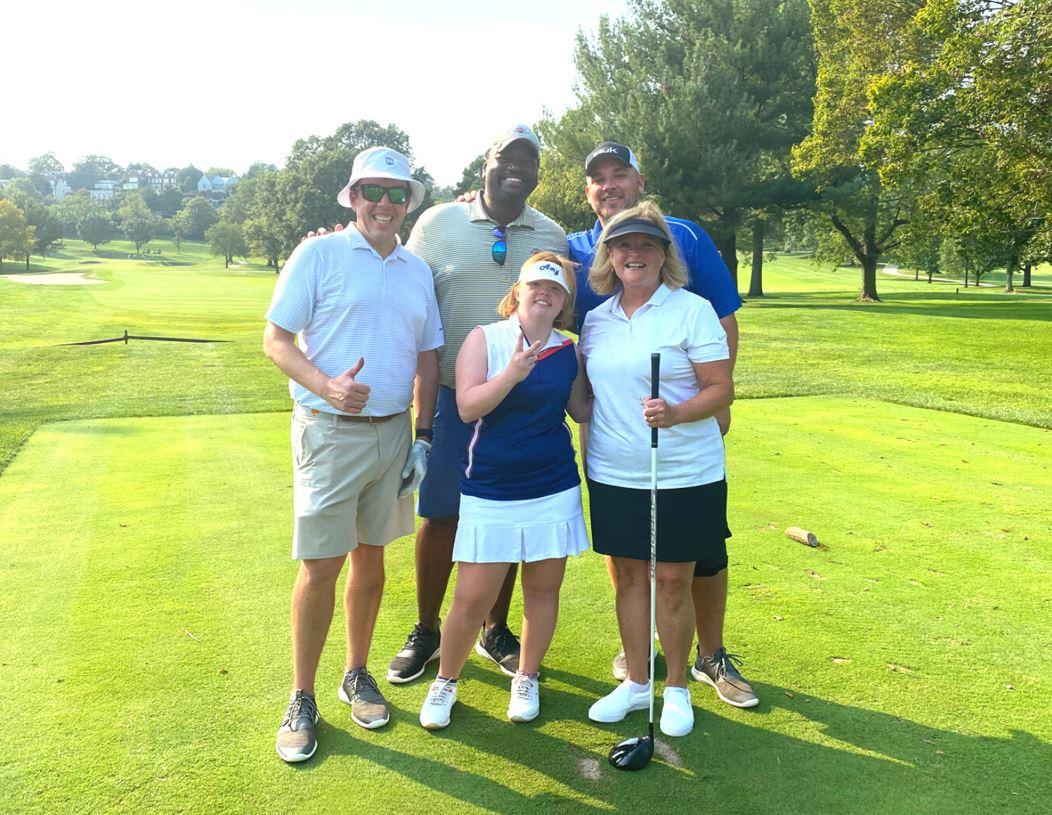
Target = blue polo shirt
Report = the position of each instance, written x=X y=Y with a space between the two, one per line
x=709 y=277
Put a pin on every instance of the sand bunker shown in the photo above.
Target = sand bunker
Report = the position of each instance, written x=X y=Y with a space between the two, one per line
x=60 y=279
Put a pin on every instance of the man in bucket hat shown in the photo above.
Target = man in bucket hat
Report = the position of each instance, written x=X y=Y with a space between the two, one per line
x=355 y=326
x=475 y=251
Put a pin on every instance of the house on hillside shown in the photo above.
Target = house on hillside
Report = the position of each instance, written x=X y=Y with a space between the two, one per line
x=104 y=189
x=59 y=187
x=160 y=181
x=217 y=184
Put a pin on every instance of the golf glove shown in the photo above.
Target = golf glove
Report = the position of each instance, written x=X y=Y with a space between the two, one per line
x=415 y=467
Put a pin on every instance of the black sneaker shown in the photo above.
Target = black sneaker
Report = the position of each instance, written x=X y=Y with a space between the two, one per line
x=500 y=645
x=368 y=706
x=296 y=740
x=420 y=649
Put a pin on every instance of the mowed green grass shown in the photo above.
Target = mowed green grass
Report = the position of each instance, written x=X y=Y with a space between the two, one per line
x=145 y=578
x=982 y=352
x=903 y=668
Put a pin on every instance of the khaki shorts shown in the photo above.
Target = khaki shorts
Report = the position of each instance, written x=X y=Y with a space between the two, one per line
x=346 y=481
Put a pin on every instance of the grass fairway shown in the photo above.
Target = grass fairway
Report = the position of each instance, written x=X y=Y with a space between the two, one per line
x=896 y=672
x=145 y=502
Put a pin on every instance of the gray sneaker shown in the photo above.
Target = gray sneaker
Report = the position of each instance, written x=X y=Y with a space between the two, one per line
x=720 y=671
x=619 y=667
x=296 y=740
x=368 y=706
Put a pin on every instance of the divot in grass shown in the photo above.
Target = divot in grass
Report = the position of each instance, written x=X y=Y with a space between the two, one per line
x=668 y=753
x=588 y=768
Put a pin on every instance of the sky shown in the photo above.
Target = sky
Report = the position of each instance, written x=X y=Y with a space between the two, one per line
x=229 y=83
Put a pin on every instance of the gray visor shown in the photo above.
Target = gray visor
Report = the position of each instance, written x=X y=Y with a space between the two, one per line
x=634 y=226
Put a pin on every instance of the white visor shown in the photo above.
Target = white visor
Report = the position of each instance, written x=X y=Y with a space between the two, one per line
x=544 y=270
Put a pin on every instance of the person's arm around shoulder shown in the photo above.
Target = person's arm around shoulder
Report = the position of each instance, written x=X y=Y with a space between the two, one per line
x=475 y=395
x=342 y=392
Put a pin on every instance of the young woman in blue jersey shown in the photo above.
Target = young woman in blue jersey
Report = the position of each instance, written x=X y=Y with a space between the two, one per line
x=637 y=262
x=520 y=489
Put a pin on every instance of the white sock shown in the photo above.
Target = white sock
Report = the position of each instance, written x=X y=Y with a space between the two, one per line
x=637 y=688
x=672 y=691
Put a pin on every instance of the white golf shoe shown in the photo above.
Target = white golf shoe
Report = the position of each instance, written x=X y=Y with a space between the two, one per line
x=434 y=714
x=525 y=702
x=677 y=715
x=620 y=702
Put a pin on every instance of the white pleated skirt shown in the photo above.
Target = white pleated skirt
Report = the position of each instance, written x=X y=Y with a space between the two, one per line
x=520 y=531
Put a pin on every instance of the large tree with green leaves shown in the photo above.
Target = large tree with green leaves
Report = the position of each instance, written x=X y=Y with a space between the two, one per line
x=711 y=94
x=44 y=220
x=95 y=228
x=16 y=237
x=858 y=42
x=92 y=169
x=137 y=222
x=227 y=240
x=256 y=202
x=196 y=215
x=560 y=191
x=966 y=113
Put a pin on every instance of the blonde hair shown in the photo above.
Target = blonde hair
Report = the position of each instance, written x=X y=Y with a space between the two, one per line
x=603 y=279
x=565 y=317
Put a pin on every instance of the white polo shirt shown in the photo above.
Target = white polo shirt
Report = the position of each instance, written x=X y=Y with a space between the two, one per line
x=345 y=302
x=684 y=329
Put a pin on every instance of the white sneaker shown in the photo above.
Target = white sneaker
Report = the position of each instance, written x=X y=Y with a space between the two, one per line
x=677 y=716
x=434 y=714
x=525 y=702
x=619 y=703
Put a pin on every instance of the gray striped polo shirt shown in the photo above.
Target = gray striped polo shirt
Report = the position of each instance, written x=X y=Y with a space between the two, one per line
x=456 y=241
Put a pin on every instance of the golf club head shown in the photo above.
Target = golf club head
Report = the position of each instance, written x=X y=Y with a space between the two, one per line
x=633 y=754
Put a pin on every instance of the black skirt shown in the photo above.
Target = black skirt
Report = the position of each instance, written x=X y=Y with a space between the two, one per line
x=691 y=522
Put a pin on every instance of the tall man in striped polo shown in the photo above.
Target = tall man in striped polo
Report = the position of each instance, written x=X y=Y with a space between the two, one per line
x=364 y=312
x=475 y=251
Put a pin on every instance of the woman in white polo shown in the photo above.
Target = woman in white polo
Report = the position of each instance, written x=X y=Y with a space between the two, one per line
x=520 y=488
x=651 y=311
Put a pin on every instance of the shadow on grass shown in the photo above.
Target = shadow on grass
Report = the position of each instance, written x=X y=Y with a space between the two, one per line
x=853 y=759
x=933 y=304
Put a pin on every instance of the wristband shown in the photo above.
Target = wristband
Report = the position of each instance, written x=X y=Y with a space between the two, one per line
x=425 y=433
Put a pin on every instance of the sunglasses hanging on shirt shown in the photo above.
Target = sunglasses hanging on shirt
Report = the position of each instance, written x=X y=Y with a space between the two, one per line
x=500 y=245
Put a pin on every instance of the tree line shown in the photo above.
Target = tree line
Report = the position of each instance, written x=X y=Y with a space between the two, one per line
x=860 y=131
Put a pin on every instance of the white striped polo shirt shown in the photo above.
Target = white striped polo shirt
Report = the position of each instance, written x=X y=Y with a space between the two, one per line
x=456 y=241
x=345 y=302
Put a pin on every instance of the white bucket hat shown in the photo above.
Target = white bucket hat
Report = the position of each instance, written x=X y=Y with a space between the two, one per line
x=544 y=270
x=382 y=162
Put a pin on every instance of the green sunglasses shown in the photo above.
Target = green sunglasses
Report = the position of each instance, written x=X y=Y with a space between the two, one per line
x=375 y=193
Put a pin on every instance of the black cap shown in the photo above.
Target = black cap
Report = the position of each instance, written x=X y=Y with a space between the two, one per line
x=634 y=226
x=612 y=148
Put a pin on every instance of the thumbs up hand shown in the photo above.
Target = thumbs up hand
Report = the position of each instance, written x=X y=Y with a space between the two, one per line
x=344 y=393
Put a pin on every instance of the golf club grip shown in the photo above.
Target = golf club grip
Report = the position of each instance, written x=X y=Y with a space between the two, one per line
x=655 y=371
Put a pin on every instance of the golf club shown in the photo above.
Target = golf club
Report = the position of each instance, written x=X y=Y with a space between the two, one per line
x=635 y=753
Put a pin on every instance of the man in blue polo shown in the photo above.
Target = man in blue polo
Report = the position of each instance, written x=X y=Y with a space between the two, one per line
x=614 y=183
